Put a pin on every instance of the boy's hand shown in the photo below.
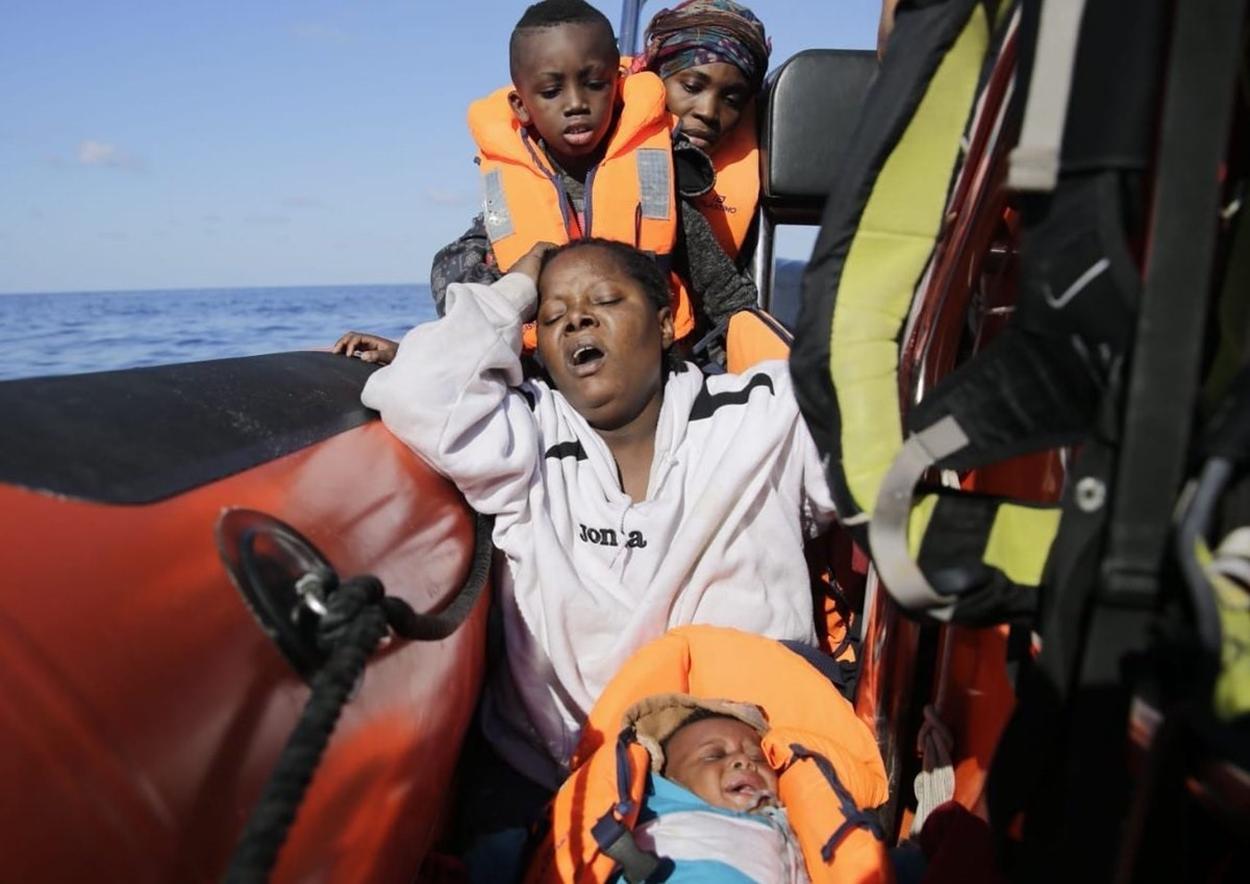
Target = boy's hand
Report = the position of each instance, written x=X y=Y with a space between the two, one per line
x=532 y=261
x=369 y=348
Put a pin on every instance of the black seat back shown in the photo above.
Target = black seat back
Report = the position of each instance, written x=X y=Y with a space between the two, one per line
x=808 y=109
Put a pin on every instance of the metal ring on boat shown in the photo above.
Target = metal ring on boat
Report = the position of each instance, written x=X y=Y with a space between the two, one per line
x=283 y=579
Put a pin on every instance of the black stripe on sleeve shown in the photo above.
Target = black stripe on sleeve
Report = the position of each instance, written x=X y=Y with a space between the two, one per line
x=706 y=403
x=567 y=449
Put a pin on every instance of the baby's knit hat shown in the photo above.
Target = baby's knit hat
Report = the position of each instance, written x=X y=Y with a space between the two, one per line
x=656 y=718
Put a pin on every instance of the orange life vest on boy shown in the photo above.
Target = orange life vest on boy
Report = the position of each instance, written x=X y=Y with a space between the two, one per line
x=830 y=770
x=630 y=194
x=730 y=205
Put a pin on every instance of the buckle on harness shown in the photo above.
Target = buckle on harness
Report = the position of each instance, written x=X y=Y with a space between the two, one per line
x=617 y=841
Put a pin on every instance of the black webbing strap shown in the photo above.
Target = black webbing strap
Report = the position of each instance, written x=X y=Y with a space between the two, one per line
x=1062 y=759
x=617 y=841
x=1159 y=416
x=853 y=817
x=614 y=837
x=1160 y=395
x=1162 y=388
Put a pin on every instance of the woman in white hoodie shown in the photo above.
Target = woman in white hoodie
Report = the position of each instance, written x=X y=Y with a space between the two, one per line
x=631 y=493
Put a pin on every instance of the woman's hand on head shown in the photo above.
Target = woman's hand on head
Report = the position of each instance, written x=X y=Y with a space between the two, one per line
x=532 y=261
x=368 y=348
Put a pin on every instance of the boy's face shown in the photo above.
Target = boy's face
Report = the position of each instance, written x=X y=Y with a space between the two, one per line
x=600 y=337
x=720 y=760
x=709 y=99
x=565 y=83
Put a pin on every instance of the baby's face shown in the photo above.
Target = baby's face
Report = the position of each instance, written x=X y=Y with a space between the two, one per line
x=720 y=760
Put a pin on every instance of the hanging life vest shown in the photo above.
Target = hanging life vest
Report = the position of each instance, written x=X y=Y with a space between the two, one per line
x=830 y=769
x=1054 y=377
x=630 y=194
x=955 y=557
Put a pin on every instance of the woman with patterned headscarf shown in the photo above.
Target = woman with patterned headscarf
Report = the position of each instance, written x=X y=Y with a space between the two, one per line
x=712 y=56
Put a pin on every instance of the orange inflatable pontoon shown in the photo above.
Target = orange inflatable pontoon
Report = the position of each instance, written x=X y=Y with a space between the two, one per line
x=144 y=708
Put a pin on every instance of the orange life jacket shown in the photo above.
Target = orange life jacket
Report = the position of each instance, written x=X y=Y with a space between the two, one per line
x=630 y=194
x=729 y=208
x=829 y=766
x=730 y=205
x=752 y=337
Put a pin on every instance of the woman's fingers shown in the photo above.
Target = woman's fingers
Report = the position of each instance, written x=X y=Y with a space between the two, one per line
x=346 y=344
x=354 y=343
x=531 y=262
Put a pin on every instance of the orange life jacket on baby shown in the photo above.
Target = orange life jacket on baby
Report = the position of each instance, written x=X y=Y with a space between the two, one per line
x=830 y=769
x=730 y=205
x=630 y=194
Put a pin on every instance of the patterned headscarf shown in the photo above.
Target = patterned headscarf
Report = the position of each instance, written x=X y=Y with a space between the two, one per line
x=702 y=32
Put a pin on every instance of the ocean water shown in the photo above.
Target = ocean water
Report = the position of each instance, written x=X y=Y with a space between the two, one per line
x=55 y=334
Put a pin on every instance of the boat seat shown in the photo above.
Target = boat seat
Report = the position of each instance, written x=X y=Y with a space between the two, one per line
x=808 y=110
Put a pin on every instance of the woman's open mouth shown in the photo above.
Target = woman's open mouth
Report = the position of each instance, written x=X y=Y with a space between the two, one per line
x=585 y=360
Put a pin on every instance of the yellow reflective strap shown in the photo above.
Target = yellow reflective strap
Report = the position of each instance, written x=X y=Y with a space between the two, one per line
x=1005 y=10
x=1231 y=698
x=1232 y=686
x=1020 y=541
x=918 y=523
x=1202 y=553
x=887 y=255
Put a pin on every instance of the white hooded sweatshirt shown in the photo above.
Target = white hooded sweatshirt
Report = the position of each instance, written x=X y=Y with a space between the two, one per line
x=589 y=574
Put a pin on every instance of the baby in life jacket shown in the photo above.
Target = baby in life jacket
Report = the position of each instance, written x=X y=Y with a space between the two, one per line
x=661 y=773
x=711 y=805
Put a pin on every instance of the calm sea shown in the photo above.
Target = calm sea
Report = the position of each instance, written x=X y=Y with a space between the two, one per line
x=99 y=331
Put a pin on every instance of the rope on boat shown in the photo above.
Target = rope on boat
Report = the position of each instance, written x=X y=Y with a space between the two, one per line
x=408 y=624
x=358 y=615
x=257 y=851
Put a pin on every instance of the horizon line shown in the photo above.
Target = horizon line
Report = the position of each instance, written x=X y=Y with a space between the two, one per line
x=211 y=288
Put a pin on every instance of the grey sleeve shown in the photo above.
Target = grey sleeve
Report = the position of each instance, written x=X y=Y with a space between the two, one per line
x=714 y=280
x=467 y=259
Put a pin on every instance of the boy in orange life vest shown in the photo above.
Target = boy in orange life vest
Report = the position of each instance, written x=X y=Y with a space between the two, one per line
x=573 y=150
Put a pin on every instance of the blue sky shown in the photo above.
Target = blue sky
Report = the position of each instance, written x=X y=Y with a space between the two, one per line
x=186 y=143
